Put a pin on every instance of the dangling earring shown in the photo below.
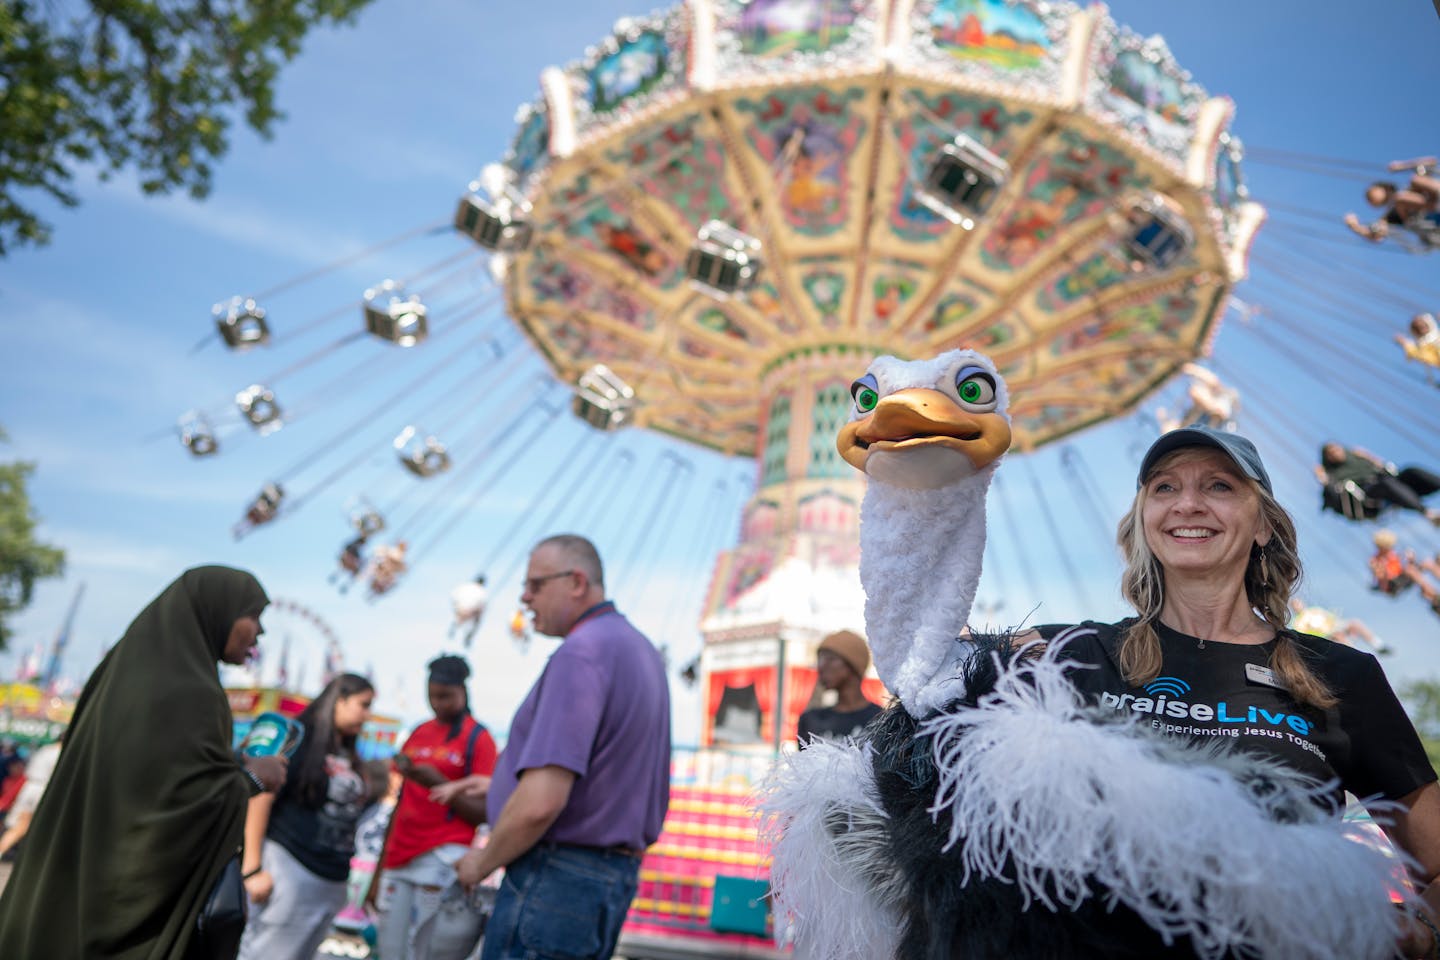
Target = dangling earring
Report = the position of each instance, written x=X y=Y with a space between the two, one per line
x=1264 y=570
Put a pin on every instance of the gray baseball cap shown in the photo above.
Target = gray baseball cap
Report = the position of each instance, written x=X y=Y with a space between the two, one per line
x=1242 y=451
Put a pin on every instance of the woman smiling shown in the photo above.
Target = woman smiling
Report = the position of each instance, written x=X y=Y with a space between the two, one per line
x=1210 y=565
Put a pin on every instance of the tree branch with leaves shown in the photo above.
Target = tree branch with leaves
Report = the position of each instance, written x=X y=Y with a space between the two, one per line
x=136 y=84
x=23 y=560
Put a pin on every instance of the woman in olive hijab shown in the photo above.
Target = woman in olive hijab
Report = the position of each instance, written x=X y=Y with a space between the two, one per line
x=147 y=803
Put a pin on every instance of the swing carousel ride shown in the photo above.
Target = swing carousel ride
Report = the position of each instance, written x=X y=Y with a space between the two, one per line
x=707 y=227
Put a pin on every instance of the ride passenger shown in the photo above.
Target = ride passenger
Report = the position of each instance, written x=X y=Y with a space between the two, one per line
x=386 y=566
x=1425 y=348
x=1342 y=466
x=1416 y=207
x=424 y=914
x=1328 y=624
x=298 y=843
x=1390 y=572
x=1211 y=560
x=468 y=600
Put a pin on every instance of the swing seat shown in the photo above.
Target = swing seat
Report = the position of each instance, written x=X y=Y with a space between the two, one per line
x=241 y=323
x=1159 y=234
x=197 y=435
x=1350 y=501
x=259 y=408
x=424 y=456
x=962 y=181
x=493 y=227
x=724 y=261
x=603 y=400
x=390 y=317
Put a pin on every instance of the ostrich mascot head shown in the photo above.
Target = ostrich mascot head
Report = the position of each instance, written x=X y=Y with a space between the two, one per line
x=929 y=435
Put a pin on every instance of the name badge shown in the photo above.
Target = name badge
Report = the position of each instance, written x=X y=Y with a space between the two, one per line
x=1262 y=675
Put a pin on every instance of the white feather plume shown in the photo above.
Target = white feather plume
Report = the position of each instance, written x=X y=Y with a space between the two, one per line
x=818 y=809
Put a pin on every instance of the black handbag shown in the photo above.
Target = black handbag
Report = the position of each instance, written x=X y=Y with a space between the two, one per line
x=222 y=918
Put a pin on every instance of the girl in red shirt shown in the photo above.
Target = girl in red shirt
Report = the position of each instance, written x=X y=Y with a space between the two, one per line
x=424 y=914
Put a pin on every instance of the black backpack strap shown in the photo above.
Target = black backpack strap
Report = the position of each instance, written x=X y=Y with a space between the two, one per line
x=475 y=732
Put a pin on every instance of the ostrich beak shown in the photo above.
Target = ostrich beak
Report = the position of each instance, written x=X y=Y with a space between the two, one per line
x=921 y=418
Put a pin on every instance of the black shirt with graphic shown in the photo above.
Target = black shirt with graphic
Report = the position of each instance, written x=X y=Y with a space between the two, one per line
x=1225 y=690
x=830 y=724
x=322 y=840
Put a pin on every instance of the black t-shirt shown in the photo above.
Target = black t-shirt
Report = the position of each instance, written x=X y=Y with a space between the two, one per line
x=831 y=724
x=1228 y=691
x=322 y=840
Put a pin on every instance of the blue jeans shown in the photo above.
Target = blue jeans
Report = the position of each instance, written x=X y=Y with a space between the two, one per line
x=561 y=903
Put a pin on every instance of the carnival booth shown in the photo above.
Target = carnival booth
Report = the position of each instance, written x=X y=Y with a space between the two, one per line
x=31 y=717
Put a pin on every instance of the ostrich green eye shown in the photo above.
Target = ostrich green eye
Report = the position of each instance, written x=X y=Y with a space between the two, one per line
x=976 y=389
x=866 y=392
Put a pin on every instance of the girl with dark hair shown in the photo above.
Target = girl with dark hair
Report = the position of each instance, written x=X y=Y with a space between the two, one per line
x=298 y=843
x=424 y=914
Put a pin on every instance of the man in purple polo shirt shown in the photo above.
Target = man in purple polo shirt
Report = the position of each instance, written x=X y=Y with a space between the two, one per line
x=582 y=786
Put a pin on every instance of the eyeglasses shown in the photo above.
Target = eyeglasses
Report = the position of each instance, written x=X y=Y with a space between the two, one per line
x=533 y=584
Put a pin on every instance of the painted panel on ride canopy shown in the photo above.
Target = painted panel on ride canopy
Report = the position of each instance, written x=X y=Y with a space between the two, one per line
x=814 y=190
x=719 y=322
x=826 y=288
x=934 y=122
x=993 y=335
x=765 y=300
x=1072 y=180
x=1159 y=321
x=1052 y=416
x=1115 y=375
x=531 y=149
x=1137 y=85
x=625 y=308
x=637 y=66
x=554 y=281
x=891 y=288
x=608 y=228
x=684 y=169
x=704 y=348
x=1096 y=274
x=774 y=28
x=578 y=346
x=1002 y=32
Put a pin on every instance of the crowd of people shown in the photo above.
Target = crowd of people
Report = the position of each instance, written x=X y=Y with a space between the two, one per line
x=210 y=852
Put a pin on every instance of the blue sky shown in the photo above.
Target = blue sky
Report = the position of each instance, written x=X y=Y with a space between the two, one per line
x=389 y=119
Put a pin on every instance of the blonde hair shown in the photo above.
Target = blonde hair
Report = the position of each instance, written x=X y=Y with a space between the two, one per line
x=1270 y=579
x=1385 y=539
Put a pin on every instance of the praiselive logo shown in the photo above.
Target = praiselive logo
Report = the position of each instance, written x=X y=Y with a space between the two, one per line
x=1170 y=697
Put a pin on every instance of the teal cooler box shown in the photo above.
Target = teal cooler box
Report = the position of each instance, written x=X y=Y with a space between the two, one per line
x=740 y=905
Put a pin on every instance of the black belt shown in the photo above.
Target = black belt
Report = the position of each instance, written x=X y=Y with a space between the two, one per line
x=619 y=848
